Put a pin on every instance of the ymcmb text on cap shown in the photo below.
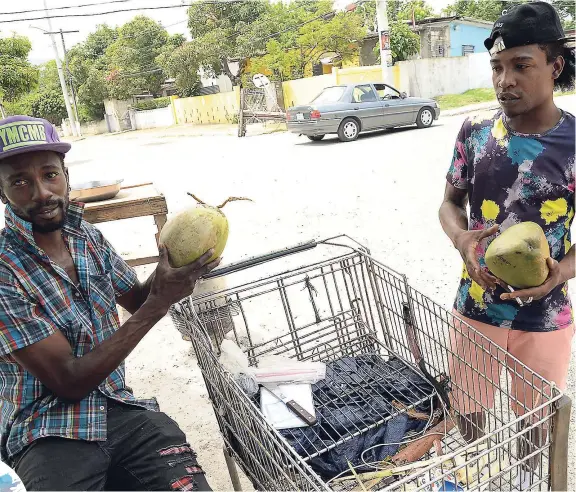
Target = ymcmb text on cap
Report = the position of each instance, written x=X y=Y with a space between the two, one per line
x=22 y=134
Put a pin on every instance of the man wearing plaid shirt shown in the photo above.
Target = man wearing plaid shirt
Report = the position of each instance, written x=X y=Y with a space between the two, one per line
x=67 y=419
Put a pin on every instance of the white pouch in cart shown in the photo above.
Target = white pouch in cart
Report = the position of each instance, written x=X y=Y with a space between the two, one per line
x=276 y=411
x=277 y=369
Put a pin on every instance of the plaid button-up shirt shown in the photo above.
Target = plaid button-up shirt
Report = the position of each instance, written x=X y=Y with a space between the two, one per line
x=37 y=298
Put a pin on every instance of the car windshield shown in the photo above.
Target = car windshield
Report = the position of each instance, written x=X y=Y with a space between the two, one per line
x=329 y=95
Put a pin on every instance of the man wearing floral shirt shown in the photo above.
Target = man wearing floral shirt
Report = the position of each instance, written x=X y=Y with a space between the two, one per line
x=514 y=166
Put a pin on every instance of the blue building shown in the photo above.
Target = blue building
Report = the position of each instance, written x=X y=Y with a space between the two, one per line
x=452 y=36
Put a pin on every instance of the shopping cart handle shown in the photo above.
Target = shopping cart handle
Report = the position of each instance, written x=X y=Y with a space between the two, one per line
x=258 y=260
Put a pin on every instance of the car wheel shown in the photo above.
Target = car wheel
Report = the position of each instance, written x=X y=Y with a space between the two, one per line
x=315 y=138
x=349 y=130
x=425 y=118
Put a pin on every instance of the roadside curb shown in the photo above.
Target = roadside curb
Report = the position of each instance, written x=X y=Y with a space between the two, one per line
x=71 y=140
x=470 y=109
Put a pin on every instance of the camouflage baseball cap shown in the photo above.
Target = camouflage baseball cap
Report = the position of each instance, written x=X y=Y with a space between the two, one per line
x=21 y=134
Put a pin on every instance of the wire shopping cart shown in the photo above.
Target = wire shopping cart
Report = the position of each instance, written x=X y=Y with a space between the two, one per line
x=393 y=347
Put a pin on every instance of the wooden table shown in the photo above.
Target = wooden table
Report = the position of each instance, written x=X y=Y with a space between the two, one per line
x=133 y=201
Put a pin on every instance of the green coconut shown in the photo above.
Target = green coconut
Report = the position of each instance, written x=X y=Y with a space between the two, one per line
x=518 y=256
x=192 y=232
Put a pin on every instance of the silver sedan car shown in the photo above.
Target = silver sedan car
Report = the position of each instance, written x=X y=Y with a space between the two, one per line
x=348 y=110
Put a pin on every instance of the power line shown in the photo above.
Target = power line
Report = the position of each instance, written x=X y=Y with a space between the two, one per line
x=131 y=36
x=65 y=7
x=138 y=74
x=326 y=16
x=95 y=13
x=159 y=7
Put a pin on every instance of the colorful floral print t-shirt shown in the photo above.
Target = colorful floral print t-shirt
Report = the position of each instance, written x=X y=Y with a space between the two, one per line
x=512 y=178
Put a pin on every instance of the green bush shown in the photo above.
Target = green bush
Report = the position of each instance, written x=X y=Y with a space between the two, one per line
x=21 y=106
x=148 y=104
x=49 y=105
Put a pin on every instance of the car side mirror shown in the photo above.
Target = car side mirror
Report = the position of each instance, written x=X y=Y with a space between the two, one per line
x=403 y=95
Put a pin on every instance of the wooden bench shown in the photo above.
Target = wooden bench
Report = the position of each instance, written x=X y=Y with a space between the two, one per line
x=132 y=201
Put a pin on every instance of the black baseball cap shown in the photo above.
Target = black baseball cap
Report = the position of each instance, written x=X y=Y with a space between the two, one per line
x=528 y=23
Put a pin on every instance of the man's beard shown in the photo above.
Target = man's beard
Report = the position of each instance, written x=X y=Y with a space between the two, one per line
x=48 y=227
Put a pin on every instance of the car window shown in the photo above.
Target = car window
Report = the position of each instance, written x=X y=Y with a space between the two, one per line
x=386 y=93
x=330 y=95
x=363 y=93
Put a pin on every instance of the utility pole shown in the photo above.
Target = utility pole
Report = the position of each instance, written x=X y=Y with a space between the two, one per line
x=71 y=79
x=61 y=74
x=384 y=36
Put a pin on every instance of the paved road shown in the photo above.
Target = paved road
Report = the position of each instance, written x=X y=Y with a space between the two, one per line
x=384 y=190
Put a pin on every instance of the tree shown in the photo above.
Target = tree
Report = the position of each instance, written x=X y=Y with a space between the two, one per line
x=91 y=95
x=22 y=105
x=316 y=33
x=491 y=10
x=404 y=42
x=49 y=105
x=397 y=10
x=131 y=58
x=48 y=78
x=224 y=32
x=17 y=75
x=182 y=63
x=567 y=12
x=45 y=100
x=488 y=10
x=88 y=66
x=98 y=42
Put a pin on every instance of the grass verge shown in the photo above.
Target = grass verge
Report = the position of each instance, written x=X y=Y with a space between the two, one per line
x=476 y=96
x=473 y=96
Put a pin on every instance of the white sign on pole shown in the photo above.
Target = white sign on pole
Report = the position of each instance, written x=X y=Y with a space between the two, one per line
x=260 y=80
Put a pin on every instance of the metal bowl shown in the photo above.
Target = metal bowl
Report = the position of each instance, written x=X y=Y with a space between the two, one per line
x=95 y=191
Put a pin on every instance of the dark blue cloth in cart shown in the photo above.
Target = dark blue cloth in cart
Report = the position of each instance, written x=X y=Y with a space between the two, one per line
x=358 y=392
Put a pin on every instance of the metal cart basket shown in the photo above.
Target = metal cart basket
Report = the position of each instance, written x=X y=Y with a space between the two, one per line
x=345 y=306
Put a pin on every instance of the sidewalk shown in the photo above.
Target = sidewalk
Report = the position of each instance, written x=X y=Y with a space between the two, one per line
x=231 y=130
x=485 y=106
x=192 y=130
x=218 y=130
x=71 y=139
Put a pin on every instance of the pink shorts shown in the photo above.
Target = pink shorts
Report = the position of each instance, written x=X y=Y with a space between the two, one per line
x=476 y=373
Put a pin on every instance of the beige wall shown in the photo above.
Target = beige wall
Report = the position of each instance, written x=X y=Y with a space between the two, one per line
x=429 y=77
x=117 y=114
x=205 y=110
x=302 y=91
x=94 y=128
